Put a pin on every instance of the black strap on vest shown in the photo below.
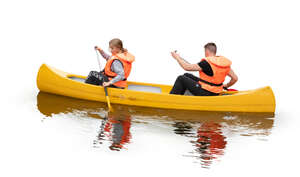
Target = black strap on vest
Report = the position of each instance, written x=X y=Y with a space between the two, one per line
x=115 y=76
x=209 y=83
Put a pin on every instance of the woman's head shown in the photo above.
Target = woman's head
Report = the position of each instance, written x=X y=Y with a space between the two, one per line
x=116 y=46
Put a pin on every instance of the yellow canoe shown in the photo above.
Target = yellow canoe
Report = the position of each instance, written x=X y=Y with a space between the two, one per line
x=55 y=81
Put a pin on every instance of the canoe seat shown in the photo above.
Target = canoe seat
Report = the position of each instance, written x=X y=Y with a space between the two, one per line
x=187 y=92
x=144 y=88
x=77 y=79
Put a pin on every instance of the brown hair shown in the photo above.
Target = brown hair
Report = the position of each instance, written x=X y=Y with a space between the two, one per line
x=117 y=43
x=211 y=47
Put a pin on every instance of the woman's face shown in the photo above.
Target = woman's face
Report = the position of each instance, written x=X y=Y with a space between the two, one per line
x=114 y=49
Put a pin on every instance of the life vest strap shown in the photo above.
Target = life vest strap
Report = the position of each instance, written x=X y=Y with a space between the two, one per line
x=209 y=83
x=115 y=76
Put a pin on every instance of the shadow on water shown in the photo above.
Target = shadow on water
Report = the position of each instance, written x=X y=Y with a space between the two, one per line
x=208 y=132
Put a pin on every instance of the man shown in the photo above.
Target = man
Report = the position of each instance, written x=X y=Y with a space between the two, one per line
x=212 y=72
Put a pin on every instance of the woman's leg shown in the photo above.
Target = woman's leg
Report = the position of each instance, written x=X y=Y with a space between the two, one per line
x=93 y=78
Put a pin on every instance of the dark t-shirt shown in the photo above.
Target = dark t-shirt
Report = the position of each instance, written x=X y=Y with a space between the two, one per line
x=206 y=68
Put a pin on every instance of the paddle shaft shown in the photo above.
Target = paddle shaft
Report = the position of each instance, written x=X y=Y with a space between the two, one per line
x=98 y=59
x=105 y=88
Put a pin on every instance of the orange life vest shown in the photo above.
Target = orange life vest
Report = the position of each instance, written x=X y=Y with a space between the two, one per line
x=126 y=59
x=220 y=67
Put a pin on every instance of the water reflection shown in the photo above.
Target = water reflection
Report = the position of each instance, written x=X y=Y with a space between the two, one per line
x=208 y=133
x=116 y=129
x=208 y=140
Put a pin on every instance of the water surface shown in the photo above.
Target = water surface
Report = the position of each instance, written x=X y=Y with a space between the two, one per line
x=203 y=137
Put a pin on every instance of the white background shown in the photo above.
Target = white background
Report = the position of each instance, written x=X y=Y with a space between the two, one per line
x=260 y=37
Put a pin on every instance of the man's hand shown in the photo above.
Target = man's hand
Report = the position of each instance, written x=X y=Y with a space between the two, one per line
x=106 y=84
x=184 y=64
x=175 y=55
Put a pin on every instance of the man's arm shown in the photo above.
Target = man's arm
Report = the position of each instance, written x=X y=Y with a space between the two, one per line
x=184 y=64
x=233 y=79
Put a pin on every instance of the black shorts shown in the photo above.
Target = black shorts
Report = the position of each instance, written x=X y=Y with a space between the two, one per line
x=96 y=78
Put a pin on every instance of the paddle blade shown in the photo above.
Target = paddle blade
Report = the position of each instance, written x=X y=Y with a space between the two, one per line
x=232 y=90
x=110 y=109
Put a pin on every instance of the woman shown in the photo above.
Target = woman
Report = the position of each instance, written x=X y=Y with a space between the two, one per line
x=117 y=68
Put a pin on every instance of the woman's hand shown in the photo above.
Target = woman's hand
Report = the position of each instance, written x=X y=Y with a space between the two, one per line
x=106 y=84
x=175 y=55
x=98 y=48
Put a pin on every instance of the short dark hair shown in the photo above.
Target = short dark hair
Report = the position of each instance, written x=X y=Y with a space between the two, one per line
x=211 y=47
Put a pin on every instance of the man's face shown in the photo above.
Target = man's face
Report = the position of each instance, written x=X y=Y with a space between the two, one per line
x=207 y=53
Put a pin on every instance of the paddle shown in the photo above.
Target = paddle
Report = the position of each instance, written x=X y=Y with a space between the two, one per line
x=105 y=88
x=107 y=100
x=228 y=91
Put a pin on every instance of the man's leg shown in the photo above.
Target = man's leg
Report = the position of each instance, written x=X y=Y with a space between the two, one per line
x=199 y=92
x=178 y=87
x=182 y=83
x=195 y=78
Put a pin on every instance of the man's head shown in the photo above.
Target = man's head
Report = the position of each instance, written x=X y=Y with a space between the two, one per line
x=210 y=49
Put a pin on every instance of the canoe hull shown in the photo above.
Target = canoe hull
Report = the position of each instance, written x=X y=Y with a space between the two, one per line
x=58 y=82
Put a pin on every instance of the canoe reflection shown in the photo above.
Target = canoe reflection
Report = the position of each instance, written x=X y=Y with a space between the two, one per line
x=209 y=133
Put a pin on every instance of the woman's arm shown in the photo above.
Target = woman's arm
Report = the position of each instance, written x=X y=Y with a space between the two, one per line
x=184 y=64
x=104 y=55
